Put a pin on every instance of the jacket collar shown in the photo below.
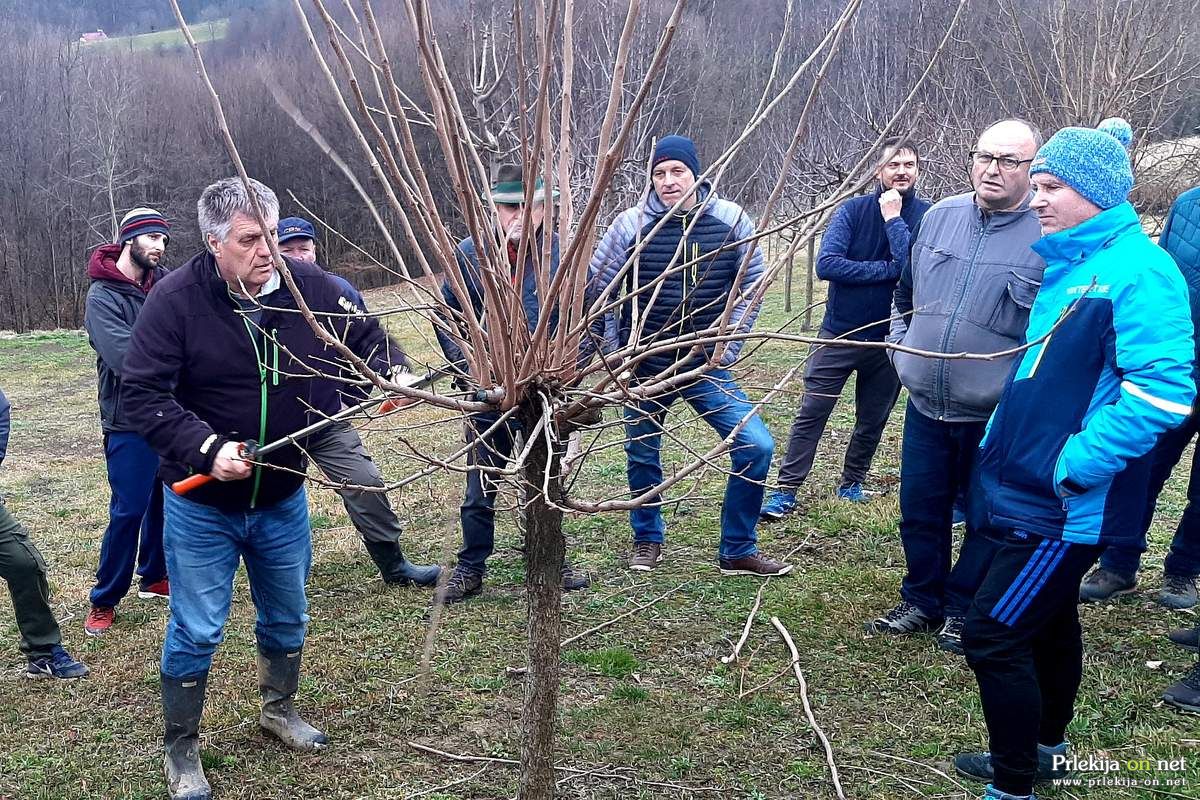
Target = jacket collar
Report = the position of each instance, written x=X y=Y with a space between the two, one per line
x=1089 y=237
x=1001 y=219
x=653 y=205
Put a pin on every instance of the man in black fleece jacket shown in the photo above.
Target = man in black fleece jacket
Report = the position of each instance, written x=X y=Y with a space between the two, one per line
x=220 y=355
x=862 y=254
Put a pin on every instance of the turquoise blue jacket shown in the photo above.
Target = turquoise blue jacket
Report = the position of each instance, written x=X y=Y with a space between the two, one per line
x=1067 y=451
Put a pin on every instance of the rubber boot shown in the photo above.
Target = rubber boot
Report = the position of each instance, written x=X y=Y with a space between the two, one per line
x=183 y=705
x=398 y=570
x=278 y=677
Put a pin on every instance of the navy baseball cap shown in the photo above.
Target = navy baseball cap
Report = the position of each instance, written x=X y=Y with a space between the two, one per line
x=294 y=228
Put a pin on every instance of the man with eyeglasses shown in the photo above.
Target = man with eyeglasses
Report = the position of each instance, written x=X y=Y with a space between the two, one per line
x=968 y=288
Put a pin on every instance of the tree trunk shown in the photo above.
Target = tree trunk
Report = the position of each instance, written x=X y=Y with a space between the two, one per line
x=544 y=552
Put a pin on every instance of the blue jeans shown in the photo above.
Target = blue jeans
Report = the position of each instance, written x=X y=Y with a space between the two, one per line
x=717 y=399
x=935 y=468
x=203 y=546
x=1184 y=557
x=136 y=505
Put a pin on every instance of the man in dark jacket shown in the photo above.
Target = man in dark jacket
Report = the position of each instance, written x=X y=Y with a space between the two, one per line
x=967 y=289
x=684 y=262
x=1118 y=568
x=492 y=438
x=121 y=275
x=220 y=356
x=24 y=570
x=339 y=451
x=1063 y=467
x=863 y=251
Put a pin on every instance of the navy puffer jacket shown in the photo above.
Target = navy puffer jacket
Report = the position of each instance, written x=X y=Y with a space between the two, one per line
x=690 y=299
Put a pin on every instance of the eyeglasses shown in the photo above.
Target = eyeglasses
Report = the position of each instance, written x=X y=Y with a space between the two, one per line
x=984 y=159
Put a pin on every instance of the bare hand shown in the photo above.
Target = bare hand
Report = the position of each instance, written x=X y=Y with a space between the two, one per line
x=889 y=204
x=229 y=464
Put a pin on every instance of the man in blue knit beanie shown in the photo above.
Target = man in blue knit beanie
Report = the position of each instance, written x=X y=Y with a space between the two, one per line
x=1062 y=471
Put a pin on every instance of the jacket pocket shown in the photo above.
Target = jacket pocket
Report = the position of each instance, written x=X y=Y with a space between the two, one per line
x=1010 y=310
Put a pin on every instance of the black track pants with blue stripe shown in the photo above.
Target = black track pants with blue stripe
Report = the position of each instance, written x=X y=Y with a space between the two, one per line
x=1022 y=638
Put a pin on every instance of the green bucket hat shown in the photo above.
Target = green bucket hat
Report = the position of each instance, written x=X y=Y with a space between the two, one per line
x=509 y=188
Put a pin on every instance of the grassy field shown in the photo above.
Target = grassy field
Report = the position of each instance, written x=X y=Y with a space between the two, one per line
x=648 y=709
x=172 y=37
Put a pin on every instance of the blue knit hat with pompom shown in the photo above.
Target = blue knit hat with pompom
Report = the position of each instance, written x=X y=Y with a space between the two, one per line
x=1092 y=161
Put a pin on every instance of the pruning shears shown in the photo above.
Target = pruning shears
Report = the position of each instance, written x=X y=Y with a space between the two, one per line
x=251 y=450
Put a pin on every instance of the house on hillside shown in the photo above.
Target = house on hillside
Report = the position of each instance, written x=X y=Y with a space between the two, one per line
x=94 y=36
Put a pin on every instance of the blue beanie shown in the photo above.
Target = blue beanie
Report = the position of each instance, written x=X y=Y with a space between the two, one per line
x=1092 y=161
x=676 y=148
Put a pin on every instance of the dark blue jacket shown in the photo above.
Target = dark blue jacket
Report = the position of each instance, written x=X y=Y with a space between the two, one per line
x=1181 y=238
x=862 y=256
x=199 y=374
x=450 y=333
x=688 y=300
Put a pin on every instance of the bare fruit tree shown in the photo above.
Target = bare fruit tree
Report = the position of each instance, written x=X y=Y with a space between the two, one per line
x=517 y=96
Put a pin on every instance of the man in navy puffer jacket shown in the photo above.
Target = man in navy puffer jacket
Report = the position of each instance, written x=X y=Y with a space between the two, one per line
x=673 y=264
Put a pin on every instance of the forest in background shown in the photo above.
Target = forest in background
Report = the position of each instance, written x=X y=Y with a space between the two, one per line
x=93 y=131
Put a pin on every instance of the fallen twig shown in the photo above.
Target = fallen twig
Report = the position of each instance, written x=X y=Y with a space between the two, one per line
x=808 y=712
x=433 y=789
x=512 y=762
x=737 y=648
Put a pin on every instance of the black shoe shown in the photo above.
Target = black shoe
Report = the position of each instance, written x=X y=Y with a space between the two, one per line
x=949 y=638
x=903 y=619
x=574 y=579
x=1185 y=694
x=1178 y=591
x=1187 y=638
x=1104 y=584
x=463 y=583
x=978 y=766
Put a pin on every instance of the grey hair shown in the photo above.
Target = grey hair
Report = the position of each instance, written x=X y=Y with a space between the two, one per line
x=221 y=201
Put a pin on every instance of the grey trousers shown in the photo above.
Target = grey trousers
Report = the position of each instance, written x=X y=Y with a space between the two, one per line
x=339 y=452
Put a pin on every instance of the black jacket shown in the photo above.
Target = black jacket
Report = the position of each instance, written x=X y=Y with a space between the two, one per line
x=198 y=374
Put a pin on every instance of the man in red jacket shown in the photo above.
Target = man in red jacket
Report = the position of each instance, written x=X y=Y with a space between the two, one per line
x=122 y=274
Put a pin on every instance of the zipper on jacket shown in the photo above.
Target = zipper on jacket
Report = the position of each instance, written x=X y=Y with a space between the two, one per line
x=962 y=295
x=260 y=359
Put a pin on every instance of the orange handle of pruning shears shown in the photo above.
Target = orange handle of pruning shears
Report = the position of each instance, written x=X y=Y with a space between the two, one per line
x=245 y=450
x=388 y=406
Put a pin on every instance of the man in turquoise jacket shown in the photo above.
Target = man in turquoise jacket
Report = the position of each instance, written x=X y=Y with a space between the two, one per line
x=1063 y=468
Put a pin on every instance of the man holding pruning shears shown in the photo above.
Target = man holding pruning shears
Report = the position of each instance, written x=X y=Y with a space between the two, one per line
x=221 y=356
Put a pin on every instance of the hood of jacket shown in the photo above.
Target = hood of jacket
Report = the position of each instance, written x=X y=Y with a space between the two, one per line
x=102 y=266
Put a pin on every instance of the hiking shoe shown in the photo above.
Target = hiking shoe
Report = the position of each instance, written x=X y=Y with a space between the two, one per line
x=992 y=793
x=59 y=664
x=978 y=766
x=853 y=492
x=755 y=564
x=949 y=638
x=1104 y=584
x=1185 y=694
x=159 y=590
x=1187 y=638
x=574 y=579
x=646 y=556
x=463 y=583
x=99 y=620
x=778 y=505
x=903 y=619
x=1178 y=591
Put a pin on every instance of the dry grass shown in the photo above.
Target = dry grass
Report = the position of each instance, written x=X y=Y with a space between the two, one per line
x=647 y=697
